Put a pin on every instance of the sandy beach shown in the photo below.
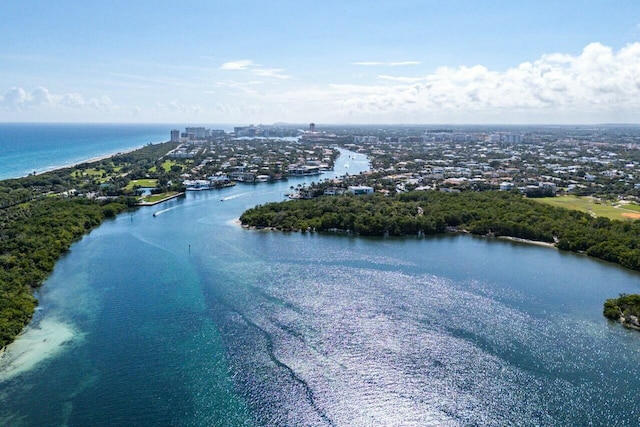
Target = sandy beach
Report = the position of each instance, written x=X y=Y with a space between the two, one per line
x=90 y=160
x=528 y=242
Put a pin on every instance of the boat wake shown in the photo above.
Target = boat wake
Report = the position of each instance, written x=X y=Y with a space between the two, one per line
x=235 y=196
x=164 y=210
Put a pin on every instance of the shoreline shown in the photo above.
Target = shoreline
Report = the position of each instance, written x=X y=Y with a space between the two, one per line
x=173 y=196
x=87 y=161
x=35 y=344
x=528 y=242
x=11 y=338
x=80 y=162
x=452 y=232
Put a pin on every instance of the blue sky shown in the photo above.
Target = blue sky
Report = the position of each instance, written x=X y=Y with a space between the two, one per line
x=401 y=61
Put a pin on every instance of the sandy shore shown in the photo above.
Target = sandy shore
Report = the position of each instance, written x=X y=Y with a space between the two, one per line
x=528 y=242
x=106 y=156
x=91 y=160
x=37 y=344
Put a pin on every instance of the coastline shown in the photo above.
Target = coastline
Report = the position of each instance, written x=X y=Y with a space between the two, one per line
x=42 y=147
x=35 y=344
x=87 y=161
x=107 y=156
x=508 y=238
x=529 y=242
x=5 y=347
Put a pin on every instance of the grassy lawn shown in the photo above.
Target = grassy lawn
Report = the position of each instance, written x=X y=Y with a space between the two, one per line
x=155 y=197
x=99 y=173
x=168 y=164
x=151 y=183
x=630 y=207
x=587 y=204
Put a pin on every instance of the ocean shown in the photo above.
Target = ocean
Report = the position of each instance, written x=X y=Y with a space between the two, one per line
x=185 y=318
x=38 y=147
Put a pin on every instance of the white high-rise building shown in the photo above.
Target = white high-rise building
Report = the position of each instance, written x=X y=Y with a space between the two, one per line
x=196 y=132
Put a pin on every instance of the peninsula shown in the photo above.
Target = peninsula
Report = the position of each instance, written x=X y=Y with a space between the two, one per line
x=489 y=213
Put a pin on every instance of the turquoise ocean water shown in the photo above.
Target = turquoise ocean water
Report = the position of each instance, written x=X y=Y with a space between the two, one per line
x=185 y=318
x=38 y=147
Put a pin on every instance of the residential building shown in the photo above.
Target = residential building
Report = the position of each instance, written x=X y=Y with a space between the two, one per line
x=360 y=189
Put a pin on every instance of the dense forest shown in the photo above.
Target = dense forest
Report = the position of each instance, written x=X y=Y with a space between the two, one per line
x=489 y=213
x=42 y=215
x=33 y=235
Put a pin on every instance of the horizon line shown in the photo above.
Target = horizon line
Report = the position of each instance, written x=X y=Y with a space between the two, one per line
x=631 y=124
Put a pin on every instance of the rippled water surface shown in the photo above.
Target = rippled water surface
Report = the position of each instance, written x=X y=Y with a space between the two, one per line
x=185 y=318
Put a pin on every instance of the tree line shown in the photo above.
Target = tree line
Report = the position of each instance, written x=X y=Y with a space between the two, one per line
x=118 y=171
x=33 y=236
x=624 y=309
x=490 y=213
x=40 y=219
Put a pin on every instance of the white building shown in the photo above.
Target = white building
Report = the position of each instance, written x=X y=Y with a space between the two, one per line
x=506 y=186
x=196 y=133
x=360 y=189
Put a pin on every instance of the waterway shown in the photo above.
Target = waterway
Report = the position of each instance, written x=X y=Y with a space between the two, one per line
x=186 y=318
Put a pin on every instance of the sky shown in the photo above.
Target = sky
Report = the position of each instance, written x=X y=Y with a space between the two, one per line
x=338 y=62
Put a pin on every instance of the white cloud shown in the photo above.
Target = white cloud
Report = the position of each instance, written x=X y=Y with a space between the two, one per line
x=241 y=64
x=386 y=64
x=359 y=89
x=15 y=98
x=401 y=79
x=222 y=108
x=103 y=103
x=403 y=63
x=271 y=72
x=255 y=69
x=599 y=84
x=598 y=80
x=72 y=100
x=18 y=99
x=41 y=97
x=178 y=108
